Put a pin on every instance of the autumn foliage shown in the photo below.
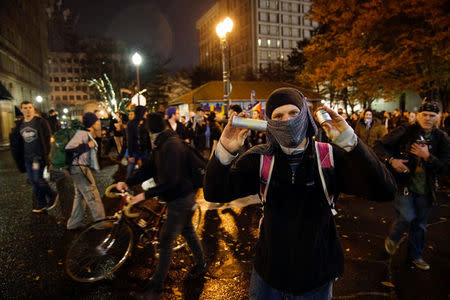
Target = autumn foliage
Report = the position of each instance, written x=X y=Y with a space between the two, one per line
x=372 y=49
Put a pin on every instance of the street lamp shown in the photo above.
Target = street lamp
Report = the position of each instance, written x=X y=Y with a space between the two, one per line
x=39 y=99
x=137 y=59
x=222 y=29
x=65 y=110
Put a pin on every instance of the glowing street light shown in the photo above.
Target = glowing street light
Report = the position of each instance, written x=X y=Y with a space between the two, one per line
x=39 y=99
x=222 y=29
x=137 y=60
x=65 y=110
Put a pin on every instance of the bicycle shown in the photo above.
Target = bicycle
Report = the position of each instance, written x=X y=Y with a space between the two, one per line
x=104 y=246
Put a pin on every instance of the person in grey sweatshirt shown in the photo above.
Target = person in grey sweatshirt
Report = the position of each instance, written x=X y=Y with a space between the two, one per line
x=82 y=147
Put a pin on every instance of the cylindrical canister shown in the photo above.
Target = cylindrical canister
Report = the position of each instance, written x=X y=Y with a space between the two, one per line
x=323 y=116
x=253 y=124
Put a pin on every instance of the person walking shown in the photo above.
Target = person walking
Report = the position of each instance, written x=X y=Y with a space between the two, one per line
x=30 y=148
x=137 y=139
x=370 y=129
x=416 y=154
x=82 y=148
x=298 y=255
x=168 y=166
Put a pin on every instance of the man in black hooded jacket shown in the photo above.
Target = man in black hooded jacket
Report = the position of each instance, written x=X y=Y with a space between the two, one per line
x=167 y=164
x=138 y=140
x=298 y=253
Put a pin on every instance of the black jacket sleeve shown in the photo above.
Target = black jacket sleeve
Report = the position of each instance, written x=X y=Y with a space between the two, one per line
x=360 y=172
x=16 y=146
x=132 y=138
x=142 y=174
x=226 y=183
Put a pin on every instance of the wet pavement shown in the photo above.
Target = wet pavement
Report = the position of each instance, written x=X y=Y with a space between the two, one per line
x=33 y=249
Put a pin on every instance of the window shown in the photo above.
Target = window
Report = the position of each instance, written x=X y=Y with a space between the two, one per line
x=263 y=29
x=55 y=70
x=69 y=70
x=78 y=97
x=64 y=88
x=274 y=30
x=306 y=34
x=295 y=32
x=278 y=43
x=263 y=17
x=56 y=88
x=307 y=22
x=57 y=98
x=92 y=97
x=56 y=79
x=76 y=79
x=78 y=88
x=76 y=70
x=268 y=43
x=70 y=88
x=64 y=97
x=50 y=79
x=259 y=42
x=72 y=97
x=84 y=88
x=274 y=18
x=63 y=79
x=69 y=79
x=85 y=97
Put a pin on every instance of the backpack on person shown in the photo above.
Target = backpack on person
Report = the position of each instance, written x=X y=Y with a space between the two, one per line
x=59 y=158
x=196 y=165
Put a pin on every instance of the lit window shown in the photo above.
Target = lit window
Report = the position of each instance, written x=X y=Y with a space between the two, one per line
x=268 y=43
x=278 y=43
x=259 y=42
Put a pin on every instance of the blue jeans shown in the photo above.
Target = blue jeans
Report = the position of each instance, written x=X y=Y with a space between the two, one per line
x=41 y=188
x=132 y=166
x=413 y=211
x=260 y=290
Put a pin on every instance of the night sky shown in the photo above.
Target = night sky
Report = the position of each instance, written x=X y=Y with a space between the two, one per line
x=166 y=27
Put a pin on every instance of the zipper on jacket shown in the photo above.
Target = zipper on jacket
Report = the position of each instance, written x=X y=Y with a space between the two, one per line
x=292 y=176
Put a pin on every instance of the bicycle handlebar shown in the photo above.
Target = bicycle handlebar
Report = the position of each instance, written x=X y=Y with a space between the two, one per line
x=128 y=203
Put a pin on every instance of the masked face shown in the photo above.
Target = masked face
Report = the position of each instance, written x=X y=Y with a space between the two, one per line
x=288 y=125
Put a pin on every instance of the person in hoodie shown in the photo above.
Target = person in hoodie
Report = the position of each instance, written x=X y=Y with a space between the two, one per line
x=370 y=129
x=298 y=255
x=82 y=148
x=138 y=140
x=168 y=165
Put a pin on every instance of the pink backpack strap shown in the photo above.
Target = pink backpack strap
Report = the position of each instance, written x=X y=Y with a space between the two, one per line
x=265 y=171
x=325 y=159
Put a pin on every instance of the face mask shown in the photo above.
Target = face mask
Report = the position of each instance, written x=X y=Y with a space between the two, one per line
x=289 y=133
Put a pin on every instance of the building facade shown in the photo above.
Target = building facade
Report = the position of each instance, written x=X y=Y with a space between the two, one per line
x=23 y=58
x=69 y=87
x=264 y=33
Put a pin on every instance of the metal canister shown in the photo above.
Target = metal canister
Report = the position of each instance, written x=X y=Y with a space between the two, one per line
x=253 y=124
x=323 y=116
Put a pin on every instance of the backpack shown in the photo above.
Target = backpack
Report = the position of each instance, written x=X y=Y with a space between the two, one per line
x=196 y=165
x=59 y=158
x=325 y=160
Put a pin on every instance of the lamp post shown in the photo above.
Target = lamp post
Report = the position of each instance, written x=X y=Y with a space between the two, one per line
x=222 y=29
x=137 y=59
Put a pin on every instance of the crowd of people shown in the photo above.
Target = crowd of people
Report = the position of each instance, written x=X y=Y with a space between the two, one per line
x=397 y=157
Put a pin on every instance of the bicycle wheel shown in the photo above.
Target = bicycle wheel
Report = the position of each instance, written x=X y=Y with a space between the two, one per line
x=180 y=242
x=99 y=250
